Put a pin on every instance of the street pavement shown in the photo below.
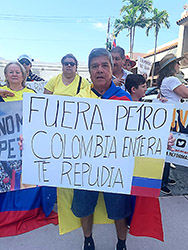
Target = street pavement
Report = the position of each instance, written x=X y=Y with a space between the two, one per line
x=180 y=174
x=174 y=216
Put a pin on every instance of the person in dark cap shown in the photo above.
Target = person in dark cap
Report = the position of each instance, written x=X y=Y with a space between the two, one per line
x=26 y=61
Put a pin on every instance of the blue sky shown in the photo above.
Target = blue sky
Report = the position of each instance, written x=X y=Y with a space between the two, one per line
x=47 y=30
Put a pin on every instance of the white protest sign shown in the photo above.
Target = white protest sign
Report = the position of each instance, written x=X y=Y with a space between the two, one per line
x=10 y=130
x=90 y=143
x=37 y=86
x=180 y=154
x=179 y=126
x=144 y=66
x=10 y=155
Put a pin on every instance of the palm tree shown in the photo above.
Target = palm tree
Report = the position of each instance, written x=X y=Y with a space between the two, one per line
x=159 y=19
x=134 y=16
x=144 y=5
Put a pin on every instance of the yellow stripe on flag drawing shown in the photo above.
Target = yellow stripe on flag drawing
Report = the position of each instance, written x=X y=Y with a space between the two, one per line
x=148 y=167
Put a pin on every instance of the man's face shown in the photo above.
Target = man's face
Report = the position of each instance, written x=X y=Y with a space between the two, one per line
x=101 y=72
x=27 y=65
x=118 y=61
x=140 y=91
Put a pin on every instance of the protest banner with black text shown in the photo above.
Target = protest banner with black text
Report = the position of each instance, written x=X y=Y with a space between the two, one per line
x=10 y=155
x=94 y=144
x=144 y=66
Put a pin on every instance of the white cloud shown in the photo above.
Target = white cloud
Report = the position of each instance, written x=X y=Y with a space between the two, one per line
x=79 y=20
x=100 y=26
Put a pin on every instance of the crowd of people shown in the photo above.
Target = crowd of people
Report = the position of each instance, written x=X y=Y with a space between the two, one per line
x=111 y=78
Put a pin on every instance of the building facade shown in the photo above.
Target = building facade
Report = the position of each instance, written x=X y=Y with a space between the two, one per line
x=47 y=70
x=179 y=47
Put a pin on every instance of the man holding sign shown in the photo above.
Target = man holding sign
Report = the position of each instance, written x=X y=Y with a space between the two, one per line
x=118 y=205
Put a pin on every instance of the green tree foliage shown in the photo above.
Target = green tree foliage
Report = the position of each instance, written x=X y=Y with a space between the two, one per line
x=133 y=15
x=157 y=21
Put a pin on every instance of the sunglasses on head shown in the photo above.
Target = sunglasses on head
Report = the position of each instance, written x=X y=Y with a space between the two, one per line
x=24 y=61
x=69 y=63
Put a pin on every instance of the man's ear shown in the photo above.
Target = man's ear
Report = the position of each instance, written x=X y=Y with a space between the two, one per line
x=133 y=90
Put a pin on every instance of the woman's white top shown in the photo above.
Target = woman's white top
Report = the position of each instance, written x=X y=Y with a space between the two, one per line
x=167 y=88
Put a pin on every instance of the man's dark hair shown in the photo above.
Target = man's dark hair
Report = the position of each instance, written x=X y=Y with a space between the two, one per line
x=120 y=51
x=69 y=56
x=134 y=80
x=97 y=53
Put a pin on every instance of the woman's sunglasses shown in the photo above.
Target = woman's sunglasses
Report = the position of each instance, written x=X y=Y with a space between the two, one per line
x=72 y=64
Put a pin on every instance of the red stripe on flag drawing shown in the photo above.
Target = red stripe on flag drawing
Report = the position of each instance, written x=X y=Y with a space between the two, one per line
x=144 y=191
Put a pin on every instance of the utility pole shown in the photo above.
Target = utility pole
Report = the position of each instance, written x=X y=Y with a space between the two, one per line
x=108 y=31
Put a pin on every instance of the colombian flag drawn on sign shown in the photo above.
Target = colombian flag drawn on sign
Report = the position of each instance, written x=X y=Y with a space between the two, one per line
x=147 y=176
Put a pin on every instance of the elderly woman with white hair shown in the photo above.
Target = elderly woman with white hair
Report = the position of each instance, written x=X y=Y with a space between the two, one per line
x=20 y=209
x=15 y=76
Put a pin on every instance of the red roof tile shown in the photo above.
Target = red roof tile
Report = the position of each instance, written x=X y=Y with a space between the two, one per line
x=171 y=46
x=181 y=19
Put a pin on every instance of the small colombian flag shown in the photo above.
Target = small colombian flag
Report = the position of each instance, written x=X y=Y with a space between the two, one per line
x=147 y=176
x=114 y=41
